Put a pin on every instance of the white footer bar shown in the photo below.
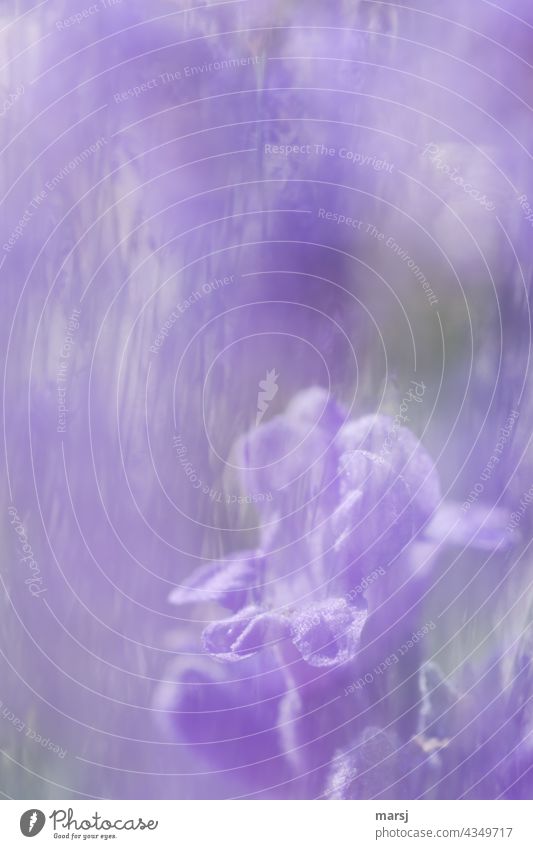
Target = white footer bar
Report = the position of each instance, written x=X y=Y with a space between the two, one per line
x=267 y=825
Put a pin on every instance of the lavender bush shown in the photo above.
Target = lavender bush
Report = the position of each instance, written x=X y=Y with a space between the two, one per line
x=266 y=394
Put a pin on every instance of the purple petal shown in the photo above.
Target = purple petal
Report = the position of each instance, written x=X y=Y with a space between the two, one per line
x=375 y=518
x=380 y=766
x=243 y=635
x=316 y=408
x=228 y=722
x=281 y=451
x=482 y=526
x=226 y=582
x=299 y=444
x=328 y=633
x=406 y=455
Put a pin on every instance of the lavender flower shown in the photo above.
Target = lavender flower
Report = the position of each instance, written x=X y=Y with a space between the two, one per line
x=288 y=596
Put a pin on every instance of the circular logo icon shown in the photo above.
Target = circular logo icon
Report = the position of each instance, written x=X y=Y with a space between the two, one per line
x=32 y=822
